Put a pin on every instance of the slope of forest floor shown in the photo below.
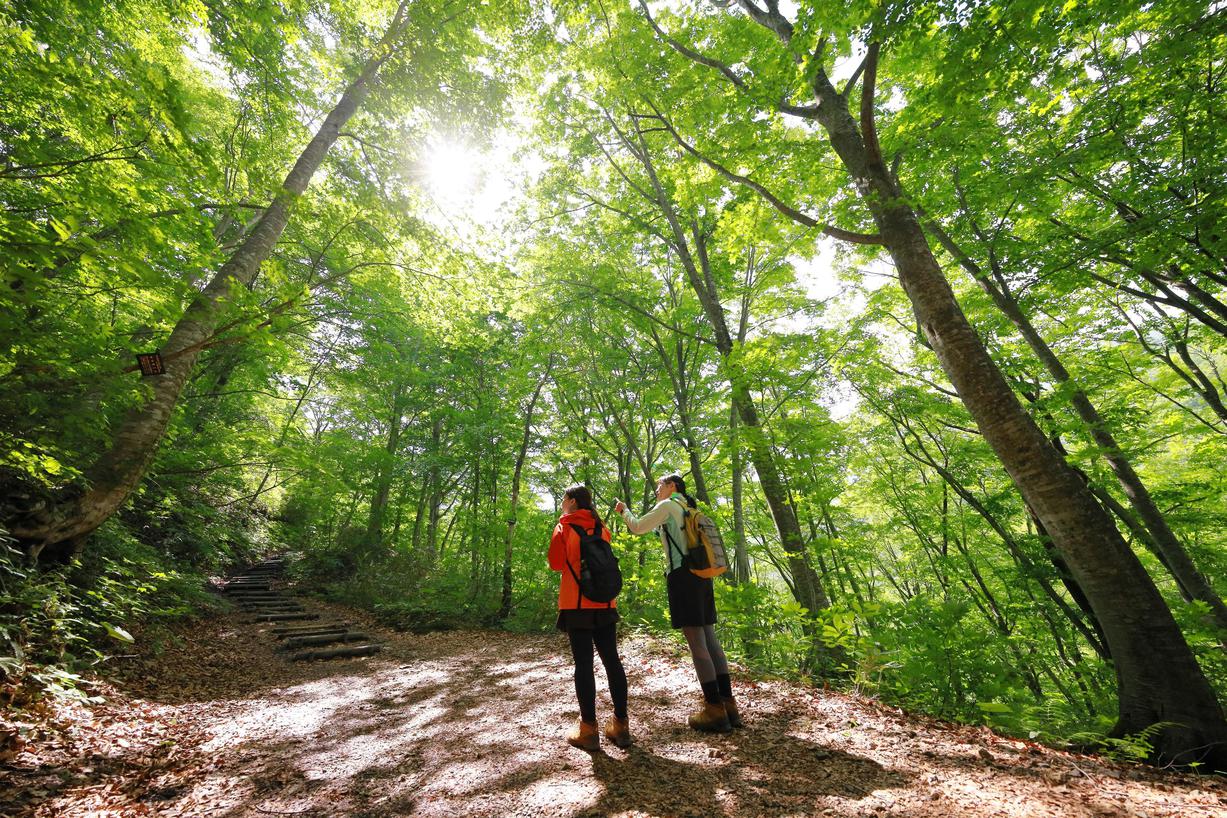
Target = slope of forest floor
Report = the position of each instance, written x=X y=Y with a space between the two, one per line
x=472 y=723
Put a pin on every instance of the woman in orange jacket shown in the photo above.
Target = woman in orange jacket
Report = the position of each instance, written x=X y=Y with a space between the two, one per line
x=588 y=624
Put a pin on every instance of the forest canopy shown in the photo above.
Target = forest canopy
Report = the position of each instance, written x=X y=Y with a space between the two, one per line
x=926 y=300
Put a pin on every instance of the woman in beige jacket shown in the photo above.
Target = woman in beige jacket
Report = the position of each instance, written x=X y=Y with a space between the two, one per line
x=692 y=603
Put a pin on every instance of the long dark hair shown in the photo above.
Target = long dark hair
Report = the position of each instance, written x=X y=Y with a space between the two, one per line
x=678 y=481
x=583 y=499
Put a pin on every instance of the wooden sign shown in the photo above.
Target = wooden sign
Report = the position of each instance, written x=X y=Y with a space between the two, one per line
x=150 y=363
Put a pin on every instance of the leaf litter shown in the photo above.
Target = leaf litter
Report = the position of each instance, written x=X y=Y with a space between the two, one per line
x=472 y=723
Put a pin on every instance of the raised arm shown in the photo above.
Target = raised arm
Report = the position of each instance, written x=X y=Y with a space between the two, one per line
x=648 y=522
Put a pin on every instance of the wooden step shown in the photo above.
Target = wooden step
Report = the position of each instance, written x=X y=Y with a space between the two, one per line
x=285 y=617
x=336 y=653
x=322 y=639
x=311 y=632
x=304 y=630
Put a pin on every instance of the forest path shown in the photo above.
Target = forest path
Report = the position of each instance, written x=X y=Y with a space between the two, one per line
x=472 y=723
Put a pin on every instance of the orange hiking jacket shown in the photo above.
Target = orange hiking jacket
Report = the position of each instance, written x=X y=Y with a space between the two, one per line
x=564 y=551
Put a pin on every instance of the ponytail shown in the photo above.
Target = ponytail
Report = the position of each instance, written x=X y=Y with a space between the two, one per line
x=680 y=484
x=583 y=499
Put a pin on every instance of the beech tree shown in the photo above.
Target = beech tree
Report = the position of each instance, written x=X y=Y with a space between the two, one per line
x=1147 y=657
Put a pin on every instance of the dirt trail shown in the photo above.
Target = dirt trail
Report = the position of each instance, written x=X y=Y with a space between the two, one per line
x=471 y=723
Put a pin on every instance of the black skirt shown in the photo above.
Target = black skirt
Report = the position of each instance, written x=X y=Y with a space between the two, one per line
x=586 y=619
x=692 y=602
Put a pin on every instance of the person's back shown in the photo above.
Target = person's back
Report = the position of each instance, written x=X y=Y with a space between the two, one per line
x=588 y=623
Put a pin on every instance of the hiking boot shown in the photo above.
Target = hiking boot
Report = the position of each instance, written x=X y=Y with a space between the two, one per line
x=711 y=718
x=730 y=709
x=618 y=731
x=585 y=736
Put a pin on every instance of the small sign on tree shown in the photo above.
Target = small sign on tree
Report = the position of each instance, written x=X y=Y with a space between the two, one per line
x=150 y=363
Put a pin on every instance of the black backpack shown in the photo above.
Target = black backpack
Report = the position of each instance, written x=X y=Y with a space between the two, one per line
x=599 y=578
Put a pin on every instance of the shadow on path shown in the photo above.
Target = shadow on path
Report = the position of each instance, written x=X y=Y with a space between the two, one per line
x=480 y=732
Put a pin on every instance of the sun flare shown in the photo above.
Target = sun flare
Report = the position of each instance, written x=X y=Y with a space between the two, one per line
x=453 y=171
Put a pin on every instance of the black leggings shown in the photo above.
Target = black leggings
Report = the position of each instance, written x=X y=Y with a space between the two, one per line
x=606 y=641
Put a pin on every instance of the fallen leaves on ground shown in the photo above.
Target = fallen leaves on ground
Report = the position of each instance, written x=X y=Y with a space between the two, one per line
x=472 y=723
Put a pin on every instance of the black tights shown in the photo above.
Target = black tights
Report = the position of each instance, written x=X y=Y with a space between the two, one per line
x=706 y=652
x=606 y=641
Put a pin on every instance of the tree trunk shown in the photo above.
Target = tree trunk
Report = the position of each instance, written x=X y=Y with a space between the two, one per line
x=471 y=532
x=1173 y=554
x=383 y=475
x=1158 y=679
x=696 y=465
x=505 y=607
x=112 y=478
x=419 y=514
x=741 y=557
x=394 y=539
x=676 y=366
x=435 y=493
x=806 y=586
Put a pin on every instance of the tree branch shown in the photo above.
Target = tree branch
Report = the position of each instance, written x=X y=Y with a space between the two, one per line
x=690 y=53
x=789 y=211
x=869 y=131
x=856 y=75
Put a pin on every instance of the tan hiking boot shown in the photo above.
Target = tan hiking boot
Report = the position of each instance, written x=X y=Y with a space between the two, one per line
x=730 y=709
x=711 y=718
x=618 y=731
x=585 y=736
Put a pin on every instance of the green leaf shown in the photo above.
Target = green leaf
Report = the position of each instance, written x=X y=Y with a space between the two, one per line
x=118 y=633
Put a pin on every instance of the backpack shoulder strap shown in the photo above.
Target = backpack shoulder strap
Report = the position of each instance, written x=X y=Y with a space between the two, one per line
x=579 y=596
x=677 y=547
x=687 y=512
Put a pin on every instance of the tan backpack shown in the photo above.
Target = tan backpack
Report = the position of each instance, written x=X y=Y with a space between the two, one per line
x=704 y=546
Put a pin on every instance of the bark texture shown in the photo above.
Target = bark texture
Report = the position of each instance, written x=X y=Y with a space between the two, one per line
x=1171 y=552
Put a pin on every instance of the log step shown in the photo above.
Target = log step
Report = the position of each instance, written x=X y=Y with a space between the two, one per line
x=310 y=631
x=335 y=653
x=322 y=639
x=285 y=617
x=290 y=637
x=298 y=630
